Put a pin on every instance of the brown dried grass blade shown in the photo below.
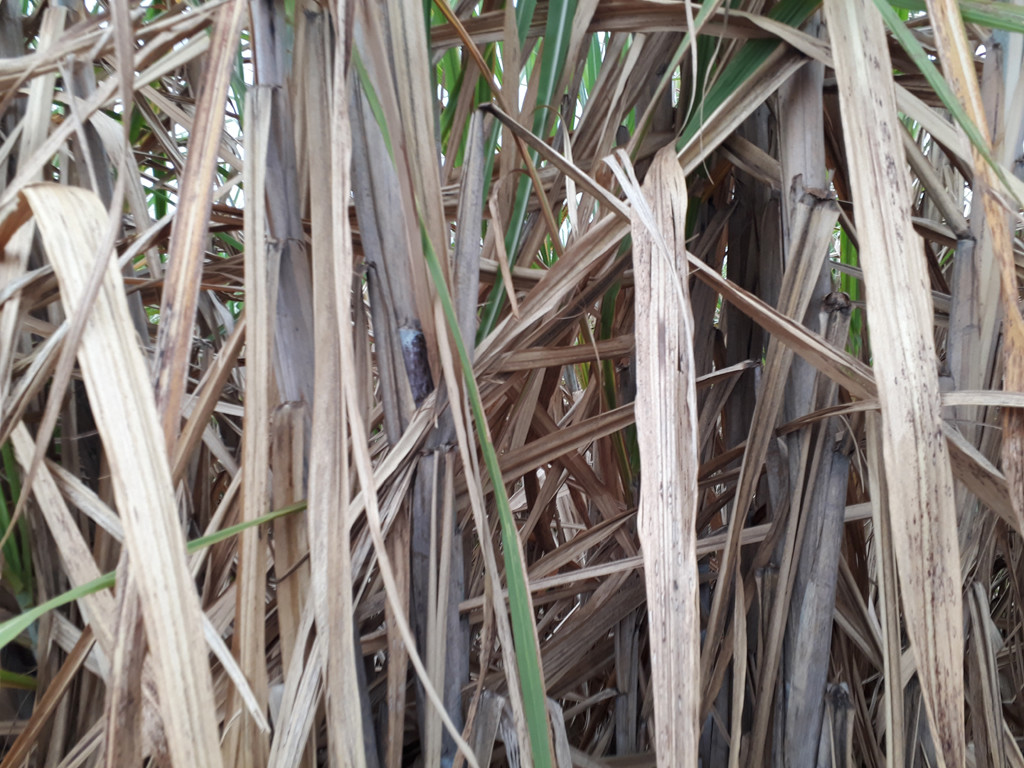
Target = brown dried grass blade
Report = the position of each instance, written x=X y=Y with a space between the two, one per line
x=124 y=713
x=958 y=64
x=244 y=743
x=115 y=375
x=188 y=237
x=666 y=417
x=78 y=561
x=291 y=544
x=209 y=390
x=330 y=486
x=888 y=600
x=986 y=707
x=50 y=701
x=924 y=525
x=353 y=421
x=302 y=694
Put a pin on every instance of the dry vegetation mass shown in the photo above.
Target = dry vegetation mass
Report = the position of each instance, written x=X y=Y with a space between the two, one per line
x=573 y=383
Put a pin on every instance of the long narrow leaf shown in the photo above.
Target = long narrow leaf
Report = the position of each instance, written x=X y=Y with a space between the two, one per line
x=523 y=627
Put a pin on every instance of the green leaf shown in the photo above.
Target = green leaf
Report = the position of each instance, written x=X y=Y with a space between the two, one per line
x=942 y=88
x=13 y=627
x=372 y=100
x=17 y=551
x=747 y=60
x=523 y=628
x=15 y=680
x=556 y=46
x=524 y=17
x=851 y=287
x=987 y=14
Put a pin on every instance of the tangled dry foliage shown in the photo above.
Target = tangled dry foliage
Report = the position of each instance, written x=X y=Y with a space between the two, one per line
x=733 y=474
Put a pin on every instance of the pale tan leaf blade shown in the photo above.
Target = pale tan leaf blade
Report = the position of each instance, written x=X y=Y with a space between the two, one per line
x=666 y=417
x=71 y=220
x=924 y=525
x=245 y=743
x=958 y=63
x=191 y=224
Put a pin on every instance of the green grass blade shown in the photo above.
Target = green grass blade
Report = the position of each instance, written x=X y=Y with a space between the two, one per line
x=591 y=70
x=556 y=46
x=851 y=287
x=942 y=89
x=17 y=550
x=552 y=60
x=987 y=14
x=11 y=552
x=371 y=99
x=523 y=628
x=15 y=680
x=744 y=64
x=13 y=627
x=524 y=17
